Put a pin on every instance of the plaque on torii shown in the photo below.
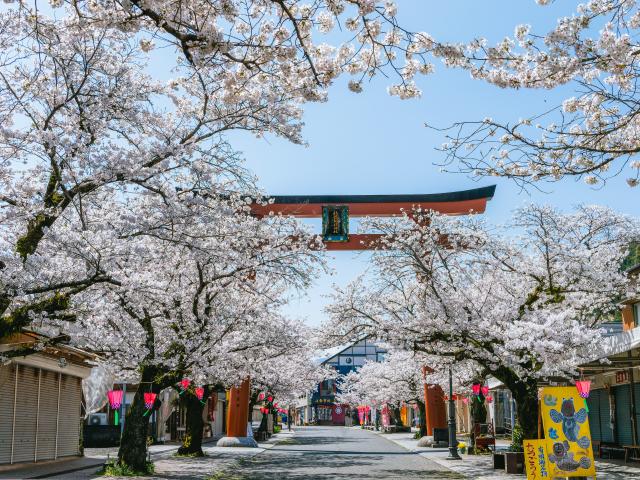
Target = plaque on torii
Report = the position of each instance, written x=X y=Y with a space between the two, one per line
x=335 y=211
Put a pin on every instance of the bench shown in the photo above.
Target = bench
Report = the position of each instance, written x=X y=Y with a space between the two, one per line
x=631 y=452
x=608 y=448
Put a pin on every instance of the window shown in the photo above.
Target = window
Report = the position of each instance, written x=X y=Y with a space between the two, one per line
x=636 y=314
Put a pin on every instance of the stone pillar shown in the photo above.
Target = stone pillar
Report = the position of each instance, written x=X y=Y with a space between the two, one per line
x=237 y=418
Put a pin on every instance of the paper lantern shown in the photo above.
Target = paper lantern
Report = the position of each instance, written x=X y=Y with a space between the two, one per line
x=476 y=388
x=465 y=400
x=184 y=383
x=275 y=405
x=261 y=397
x=269 y=399
x=489 y=399
x=584 y=387
x=149 y=400
x=199 y=393
x=115 y=398
x=446 y=397
x=485 y=390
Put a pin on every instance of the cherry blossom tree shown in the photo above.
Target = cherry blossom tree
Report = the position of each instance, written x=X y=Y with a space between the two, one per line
x=592 y=135
x=198 y=290
x=520 y=307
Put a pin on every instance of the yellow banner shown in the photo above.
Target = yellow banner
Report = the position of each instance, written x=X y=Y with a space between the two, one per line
x=567 y=440
x=535 y=460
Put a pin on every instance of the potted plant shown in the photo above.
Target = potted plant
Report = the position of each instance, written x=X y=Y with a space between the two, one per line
x=462 y=447
x=514 y=457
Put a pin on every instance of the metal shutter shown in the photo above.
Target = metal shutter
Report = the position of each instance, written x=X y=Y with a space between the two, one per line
x=24 y=444
x=48 y=415
x=594 y=402
x=7 y=392
x=636 y=391
x=623 y=414
x=69 y=424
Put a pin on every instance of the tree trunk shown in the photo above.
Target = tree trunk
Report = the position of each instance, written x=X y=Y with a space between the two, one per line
x=194 y=428
x=526 y=396
x=397 y=417
x=133 y=444
x=423 y=418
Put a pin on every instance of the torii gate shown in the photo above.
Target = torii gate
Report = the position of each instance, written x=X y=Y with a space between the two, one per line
x=335 y=211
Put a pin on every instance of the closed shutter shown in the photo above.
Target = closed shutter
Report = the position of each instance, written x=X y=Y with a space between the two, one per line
x=48 y=415
x=24 y=448
x=594 y=402
x=69 y=425
x=623 y=414
x=637 y=395
x=7 y=385
x=605 y=416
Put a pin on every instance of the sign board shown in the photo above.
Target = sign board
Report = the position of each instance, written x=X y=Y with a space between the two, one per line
x=335 y=223
x=568 y=448
x=535 y=459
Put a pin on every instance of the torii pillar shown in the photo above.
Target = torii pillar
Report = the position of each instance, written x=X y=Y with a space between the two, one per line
x=238 y=418
x=435 y=411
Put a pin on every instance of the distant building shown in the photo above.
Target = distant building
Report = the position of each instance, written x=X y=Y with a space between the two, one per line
x=320 y=406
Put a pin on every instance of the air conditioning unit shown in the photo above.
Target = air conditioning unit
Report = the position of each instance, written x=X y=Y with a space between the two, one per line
x=98 y=419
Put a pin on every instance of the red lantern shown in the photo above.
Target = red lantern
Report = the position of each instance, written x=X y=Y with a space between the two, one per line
x=261 y=397
x=485 y=390
x=465 y=400
x=446 y=397
x=584 y=387
x=199 y=392
x=149 y=400
x=275 y=405
x=269 y=399
x=184 y=383
x=489 y=399
x=476 y=388
x=115 y=399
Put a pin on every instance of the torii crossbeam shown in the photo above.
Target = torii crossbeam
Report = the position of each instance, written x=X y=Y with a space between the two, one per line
x=335 y=211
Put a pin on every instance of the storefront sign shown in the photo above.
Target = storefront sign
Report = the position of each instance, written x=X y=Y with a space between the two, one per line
x=568 y=449
x=535 y=460
x=621 y=376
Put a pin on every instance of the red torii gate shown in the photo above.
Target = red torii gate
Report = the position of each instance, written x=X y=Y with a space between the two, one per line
x=335 y=211
x=320 y=206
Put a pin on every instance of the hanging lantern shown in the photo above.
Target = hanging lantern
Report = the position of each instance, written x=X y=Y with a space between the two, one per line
x=475 y=388
x=465 y=400
x=584 y=387
x=199 y=393
x=261 y=396
x=115 y=398
x=184 y=383
x=485 y=390
x=269 y=399
x=446 y=398
x=489 y=398
x=149 y=400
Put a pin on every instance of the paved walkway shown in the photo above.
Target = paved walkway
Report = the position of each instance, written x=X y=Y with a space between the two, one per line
x=336 y=453
x=480 y=467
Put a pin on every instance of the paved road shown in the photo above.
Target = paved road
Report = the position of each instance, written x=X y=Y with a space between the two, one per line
x=335 y=453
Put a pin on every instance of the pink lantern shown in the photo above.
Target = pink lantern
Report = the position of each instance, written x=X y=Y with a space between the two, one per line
x=275 y=405
x=199 y=393
x=184 y=383
x=584 y=387
x=149 y=400
x=115 y=398
x=261 y=397
x=269 y=399
x=489 y=399
x=485 y=390
x=465 y=400
x=476 y=388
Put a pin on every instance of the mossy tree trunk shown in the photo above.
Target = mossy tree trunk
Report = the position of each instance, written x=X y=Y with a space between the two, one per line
x=133 y=444
x=423 y=417
x=194 y=428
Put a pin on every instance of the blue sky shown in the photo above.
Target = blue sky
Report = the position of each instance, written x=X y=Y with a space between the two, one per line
x=371 y=143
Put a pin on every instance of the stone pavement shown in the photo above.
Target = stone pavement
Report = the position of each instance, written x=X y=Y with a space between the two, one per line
x=481 y=466
x=166 y=464
x=336 y=453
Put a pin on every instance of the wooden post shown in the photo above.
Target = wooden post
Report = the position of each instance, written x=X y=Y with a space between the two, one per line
x=237 y=418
